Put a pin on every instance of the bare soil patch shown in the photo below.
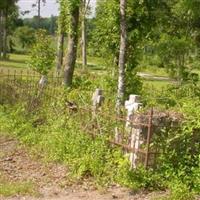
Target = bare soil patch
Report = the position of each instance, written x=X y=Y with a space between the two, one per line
x=51 y=180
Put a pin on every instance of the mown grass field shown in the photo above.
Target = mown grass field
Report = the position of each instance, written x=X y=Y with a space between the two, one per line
x=95 y=65
x=15 y=61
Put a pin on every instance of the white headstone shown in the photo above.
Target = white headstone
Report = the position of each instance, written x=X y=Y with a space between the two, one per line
x=97 y=99
x=43 y=81
x=132 y=106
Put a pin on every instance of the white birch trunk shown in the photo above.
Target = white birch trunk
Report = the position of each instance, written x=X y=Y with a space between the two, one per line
x=84 y=42
x=122 y=56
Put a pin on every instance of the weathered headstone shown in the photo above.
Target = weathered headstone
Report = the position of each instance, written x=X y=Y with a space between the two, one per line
x=118 y=136
x=97 y=100
x=132 y=106
x=43 y=81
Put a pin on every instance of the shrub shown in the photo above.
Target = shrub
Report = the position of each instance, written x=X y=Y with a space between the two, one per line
x=42 y=54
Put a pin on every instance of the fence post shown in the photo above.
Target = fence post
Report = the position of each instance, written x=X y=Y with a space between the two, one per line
x=149 y=134
x=1 y=86
x=133 y=105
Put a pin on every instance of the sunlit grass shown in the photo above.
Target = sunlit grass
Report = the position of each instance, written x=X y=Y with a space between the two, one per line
x=156 y=84
x=15 y=61
x=8 y=188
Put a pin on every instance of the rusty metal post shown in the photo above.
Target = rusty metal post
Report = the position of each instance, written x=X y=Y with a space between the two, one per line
x=14 y=77
x=1 y=85
x=149 y=134
x=21 y=83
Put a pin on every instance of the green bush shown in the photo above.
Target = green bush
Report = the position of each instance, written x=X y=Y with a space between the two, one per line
x=63 y=135
x=42 y=54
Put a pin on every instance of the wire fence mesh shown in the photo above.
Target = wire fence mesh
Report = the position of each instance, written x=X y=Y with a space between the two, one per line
x=23 y=86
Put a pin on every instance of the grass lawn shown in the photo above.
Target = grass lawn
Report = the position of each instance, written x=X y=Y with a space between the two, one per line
x=18 y=188
x=153 y=70
x=156 y=84
x=19 y=62
x=15 y=61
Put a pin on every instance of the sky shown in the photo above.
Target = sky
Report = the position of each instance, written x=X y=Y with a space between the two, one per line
x=51 y=7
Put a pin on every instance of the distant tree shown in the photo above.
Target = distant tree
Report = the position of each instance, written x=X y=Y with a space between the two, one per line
x=42 y=54
x=84 y=11
x=38 y=5
x=48 y=24
x=25 y=36
x=8 y=9
x=70 y=58
x=62 y=27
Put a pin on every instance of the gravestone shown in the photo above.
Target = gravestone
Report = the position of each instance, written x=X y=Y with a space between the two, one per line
x=43 y=81
x=97 y=100
x=132 y=106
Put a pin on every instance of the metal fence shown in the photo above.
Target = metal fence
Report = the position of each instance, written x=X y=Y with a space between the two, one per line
x=23 y=86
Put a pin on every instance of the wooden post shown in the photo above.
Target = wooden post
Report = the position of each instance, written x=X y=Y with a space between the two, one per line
x=15 y=72
x=149 y=134
x=21 y=83
x=27 y=81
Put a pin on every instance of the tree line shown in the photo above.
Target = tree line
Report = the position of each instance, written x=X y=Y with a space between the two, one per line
x=126 y=33
x=8 y=14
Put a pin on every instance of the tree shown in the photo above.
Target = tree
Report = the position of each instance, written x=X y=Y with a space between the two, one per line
x=25 y=36
x=38 y=5
x=60 y=51
x=70 y=58
x=42 y=54
x=61 y=36
x=48 y=24
x=175 y=34
x=7 y=10
x=122 y=56
x=1 y=32
x=85 y=6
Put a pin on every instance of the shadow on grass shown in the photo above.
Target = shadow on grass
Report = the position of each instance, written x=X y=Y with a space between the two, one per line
x=16 y=61
x=91 y=67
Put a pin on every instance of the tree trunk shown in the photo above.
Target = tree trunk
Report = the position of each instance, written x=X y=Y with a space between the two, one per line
x=70 y=59
x=60 y=49
x=39 y=11
x=5 y=34
x=84 y=40
x=122 y=56
x=1 y=33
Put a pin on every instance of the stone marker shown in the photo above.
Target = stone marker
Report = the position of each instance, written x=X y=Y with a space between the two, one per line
x=132 y=106
x=43 y=81
x=97 y=100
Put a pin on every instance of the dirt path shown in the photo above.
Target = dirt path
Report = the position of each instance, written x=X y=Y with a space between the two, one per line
x=51 y=180
x=154 y=77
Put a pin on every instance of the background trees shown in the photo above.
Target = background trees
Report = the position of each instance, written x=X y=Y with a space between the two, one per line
x=25 y=36
x=164 y=35
x=122 y=55
x=42 y=53
x=8 y=11
x=123 y=38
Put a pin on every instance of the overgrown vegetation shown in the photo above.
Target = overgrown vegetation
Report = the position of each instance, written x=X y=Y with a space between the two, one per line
x=69 y=139
x=159 y=38
x=8 y=188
